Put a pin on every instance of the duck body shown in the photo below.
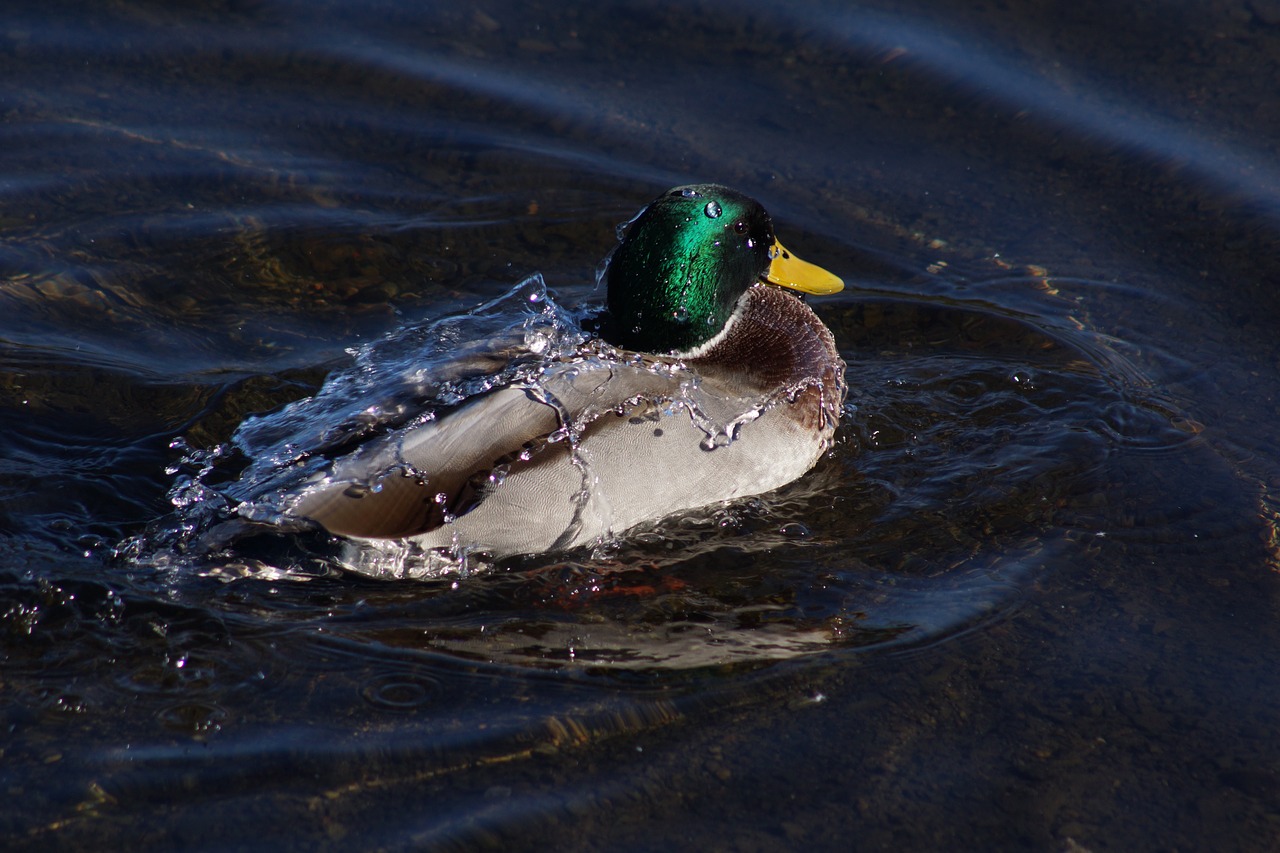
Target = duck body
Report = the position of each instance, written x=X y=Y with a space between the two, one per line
x=732 y=392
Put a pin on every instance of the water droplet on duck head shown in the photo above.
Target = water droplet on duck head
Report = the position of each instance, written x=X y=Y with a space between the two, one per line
x=690 y=192
x=712 y=210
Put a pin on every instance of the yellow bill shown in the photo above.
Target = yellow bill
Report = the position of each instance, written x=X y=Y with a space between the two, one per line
x=786 y=270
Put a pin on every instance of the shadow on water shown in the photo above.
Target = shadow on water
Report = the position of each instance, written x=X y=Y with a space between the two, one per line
x=1026 y=601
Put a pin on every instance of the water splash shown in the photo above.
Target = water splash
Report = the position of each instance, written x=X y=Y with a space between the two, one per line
x=394 y=380
x=356 y=434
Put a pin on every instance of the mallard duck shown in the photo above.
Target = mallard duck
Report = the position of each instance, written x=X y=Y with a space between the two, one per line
x=707 y=384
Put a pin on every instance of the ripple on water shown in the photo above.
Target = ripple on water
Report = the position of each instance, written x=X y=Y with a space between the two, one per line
x=400 y=691
x=974 y=445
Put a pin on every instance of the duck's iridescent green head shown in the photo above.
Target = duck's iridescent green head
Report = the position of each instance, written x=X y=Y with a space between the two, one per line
x=687 y=259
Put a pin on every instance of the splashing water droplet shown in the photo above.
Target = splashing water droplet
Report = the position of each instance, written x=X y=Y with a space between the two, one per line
x=712 y=210
x=716 y=440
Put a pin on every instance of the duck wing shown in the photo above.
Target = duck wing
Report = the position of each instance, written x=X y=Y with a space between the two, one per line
x=410 y=482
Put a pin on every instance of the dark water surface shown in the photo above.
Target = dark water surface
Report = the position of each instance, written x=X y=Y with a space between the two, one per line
x=1029 y=601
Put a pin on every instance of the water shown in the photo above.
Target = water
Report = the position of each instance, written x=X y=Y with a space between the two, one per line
x=1026 y=602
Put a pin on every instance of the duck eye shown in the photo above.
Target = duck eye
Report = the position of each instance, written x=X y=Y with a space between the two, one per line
x=740 y=226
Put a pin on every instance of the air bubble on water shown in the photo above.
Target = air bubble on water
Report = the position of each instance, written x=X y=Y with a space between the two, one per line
x=795 y=530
